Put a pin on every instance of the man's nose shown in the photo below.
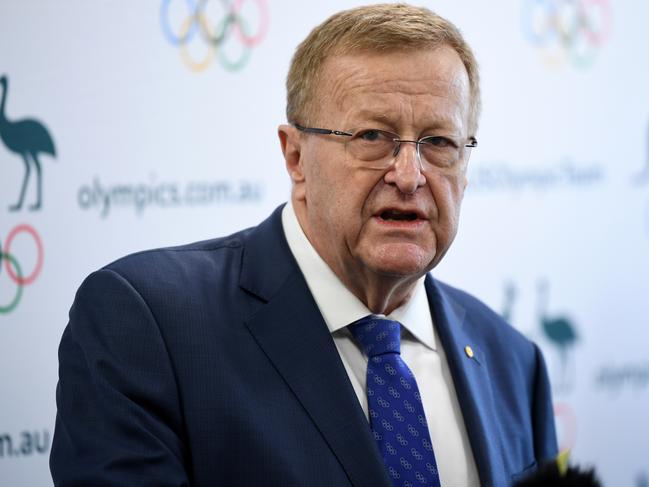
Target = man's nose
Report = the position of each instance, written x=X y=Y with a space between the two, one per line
x=405 y=172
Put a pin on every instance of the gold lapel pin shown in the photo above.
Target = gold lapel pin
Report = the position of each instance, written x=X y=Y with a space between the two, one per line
x=469 y=351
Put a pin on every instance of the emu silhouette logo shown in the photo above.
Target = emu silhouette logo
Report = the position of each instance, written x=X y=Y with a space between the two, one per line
x=27 y=138
x=561 y=332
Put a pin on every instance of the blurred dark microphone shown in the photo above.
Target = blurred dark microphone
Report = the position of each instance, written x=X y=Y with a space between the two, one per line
x=559 y=474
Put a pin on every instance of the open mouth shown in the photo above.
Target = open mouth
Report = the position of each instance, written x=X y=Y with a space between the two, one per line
x=394 y=215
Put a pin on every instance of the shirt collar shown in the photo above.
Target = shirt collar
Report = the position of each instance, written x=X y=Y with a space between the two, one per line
x=337 y=304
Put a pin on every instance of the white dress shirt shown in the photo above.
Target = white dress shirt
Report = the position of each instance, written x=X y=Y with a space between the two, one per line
x=420 y=350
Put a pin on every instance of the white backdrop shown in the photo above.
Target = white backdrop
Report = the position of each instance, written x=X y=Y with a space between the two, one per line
x=159 y=142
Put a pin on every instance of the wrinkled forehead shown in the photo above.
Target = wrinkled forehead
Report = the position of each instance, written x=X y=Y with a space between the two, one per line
x=428 y=85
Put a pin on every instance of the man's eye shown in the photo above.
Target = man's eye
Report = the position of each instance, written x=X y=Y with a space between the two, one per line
x=439 y=142
x=371 y=135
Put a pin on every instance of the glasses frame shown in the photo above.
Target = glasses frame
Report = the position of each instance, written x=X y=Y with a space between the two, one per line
x=470 y=142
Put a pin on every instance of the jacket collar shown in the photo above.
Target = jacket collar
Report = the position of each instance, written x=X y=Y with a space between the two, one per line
x=472 y=383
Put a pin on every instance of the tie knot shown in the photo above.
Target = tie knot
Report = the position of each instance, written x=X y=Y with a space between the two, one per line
x=377 y=336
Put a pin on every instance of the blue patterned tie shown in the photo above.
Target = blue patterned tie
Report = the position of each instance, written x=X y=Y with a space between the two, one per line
x=396 y=413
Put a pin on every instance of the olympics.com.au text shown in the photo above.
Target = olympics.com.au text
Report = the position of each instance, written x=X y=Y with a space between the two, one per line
x=140 y=196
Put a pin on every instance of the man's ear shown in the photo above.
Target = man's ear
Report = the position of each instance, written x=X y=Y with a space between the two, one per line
x=291 y=142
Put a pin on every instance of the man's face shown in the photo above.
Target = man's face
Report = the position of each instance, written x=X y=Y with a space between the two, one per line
x=353 y=215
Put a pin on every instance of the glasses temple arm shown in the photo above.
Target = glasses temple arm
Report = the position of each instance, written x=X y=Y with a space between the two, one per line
x=315 y=130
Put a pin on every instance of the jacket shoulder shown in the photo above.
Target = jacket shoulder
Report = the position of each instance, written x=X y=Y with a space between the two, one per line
x=181 y=270
x=192 y=253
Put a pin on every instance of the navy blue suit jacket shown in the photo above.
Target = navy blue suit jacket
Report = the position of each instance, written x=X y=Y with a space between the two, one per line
x=210 y=364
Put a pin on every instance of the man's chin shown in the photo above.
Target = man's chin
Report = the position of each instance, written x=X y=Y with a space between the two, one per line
x=401 y=260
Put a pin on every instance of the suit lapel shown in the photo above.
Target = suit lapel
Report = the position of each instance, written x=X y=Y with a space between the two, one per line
x=289 y=328
x=472 y=383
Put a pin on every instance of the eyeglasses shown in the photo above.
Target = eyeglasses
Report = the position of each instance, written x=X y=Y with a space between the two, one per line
x=376 y=149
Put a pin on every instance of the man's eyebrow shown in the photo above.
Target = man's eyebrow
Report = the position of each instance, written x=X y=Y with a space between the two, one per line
x=434 y=122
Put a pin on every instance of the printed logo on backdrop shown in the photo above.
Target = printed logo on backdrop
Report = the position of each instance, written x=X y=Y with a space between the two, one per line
x=566 y=423
x=26 y=443
x=21 y=249
x=105 y=198
x=560 y=331
x=630 y=376
x=20 y=264
x=25 y=140
x=567 y=31
x=205 y=31
x=501 y=176
x=557 y=329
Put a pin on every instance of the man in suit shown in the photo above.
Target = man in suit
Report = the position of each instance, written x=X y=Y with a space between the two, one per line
x=252 y=359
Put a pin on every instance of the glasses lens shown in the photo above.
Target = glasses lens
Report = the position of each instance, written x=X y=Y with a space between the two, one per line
x=439 y=151
x=372 y=146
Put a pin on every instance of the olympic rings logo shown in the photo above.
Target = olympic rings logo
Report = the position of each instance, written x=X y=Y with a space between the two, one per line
x=575 y=29
x=14 y=270
x=215 y=34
